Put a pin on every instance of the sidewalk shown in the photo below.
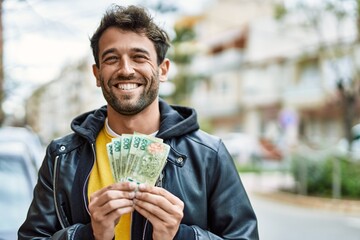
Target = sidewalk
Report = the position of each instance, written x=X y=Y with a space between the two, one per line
x=268 y=185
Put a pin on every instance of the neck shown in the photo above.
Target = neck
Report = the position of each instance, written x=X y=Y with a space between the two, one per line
x=146 y=122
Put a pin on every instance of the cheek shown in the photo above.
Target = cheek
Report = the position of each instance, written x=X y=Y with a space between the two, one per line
x=105 y=74
x=148 y=71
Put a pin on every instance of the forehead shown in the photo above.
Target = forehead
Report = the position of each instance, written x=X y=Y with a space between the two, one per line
x=122 y=40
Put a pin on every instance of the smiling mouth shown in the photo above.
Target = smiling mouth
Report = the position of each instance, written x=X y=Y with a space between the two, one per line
x=127 y=86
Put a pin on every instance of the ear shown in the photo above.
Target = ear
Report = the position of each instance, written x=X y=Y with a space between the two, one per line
x=96 y=74
x=164 y=69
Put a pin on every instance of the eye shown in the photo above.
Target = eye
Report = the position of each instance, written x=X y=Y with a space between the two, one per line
x=110 y=59
x=140 y=58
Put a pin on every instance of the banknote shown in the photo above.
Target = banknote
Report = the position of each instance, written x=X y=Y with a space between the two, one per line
x=132 y=157
x=138 y=145
x=116 y=148
x=137 y=157
x=150 y=160
x=125 y=149
x=109 y=149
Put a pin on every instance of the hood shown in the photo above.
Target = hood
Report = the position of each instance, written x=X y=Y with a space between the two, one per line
x=175 y=122
x=89 y=124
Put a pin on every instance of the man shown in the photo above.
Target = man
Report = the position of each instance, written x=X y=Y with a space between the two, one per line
x=199 y=194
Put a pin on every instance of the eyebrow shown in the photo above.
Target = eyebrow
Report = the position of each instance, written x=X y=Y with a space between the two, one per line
x=141 y=50
x=112 y=50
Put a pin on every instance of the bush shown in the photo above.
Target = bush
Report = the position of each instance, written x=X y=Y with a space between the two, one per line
x=319 y=171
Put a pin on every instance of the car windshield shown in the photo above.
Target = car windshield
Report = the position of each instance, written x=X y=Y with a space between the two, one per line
x=15 y=192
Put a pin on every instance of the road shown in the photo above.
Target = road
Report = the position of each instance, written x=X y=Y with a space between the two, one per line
x=283 y=221
x=280 y=221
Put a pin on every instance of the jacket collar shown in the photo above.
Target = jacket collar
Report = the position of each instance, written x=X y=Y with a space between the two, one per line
x=175 y=121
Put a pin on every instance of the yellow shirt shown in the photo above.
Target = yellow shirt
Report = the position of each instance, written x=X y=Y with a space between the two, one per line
x=101 y=177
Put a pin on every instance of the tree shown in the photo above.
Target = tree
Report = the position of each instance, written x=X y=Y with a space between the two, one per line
x=182 y=52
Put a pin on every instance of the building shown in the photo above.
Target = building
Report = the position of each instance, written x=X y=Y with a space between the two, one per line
x=51 y=107
x=273 y=79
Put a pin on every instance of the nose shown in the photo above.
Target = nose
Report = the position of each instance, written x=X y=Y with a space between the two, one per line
x=125 y=67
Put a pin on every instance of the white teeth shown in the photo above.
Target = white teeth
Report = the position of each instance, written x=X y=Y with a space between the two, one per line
x=127 y=86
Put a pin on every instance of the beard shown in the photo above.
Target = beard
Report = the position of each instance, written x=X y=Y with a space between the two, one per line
x=129 y=104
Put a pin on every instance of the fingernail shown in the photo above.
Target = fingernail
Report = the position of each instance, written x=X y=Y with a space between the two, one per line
x=142 y=186
x=133 y=185
x=131 y=195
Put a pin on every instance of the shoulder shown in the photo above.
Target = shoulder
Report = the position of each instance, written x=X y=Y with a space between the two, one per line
x=65 y=143
x=198 y=143
x=204 y=139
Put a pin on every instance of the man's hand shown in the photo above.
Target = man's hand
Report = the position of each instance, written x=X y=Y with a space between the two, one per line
x=107 y=206
x=161 y=208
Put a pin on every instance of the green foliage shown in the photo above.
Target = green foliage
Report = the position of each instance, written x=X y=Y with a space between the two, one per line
x=279 y=11
x=179 y=55
x=319 y=175
x=248 y=168
x=182 y=56
x=183 y=34
x=184 y=83
x=205 y=125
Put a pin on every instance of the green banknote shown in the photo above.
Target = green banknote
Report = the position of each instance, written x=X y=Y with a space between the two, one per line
x=116 y=148
x=109 y=149
x=134 y=149
x=150 y=159
x=138 y=140
x=125 y=149
x=137 y=157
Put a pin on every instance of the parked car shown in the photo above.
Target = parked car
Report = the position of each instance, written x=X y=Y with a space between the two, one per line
x=242 y=147
x=246 y=148
x=28 y=138
x=17 y=176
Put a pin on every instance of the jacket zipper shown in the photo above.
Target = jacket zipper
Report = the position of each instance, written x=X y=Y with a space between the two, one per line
x=159 y=183
x=145 y=226
x=87 y=179
x=55 y=201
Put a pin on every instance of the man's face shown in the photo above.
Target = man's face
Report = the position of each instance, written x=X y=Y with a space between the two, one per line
x=128 y=73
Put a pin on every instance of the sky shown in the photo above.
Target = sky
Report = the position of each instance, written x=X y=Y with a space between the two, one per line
x=42 y=36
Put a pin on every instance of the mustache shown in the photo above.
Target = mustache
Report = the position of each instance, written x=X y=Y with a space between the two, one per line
x=115 y=79
x=124 y=77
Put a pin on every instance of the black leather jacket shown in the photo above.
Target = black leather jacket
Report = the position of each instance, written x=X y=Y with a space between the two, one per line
x=199 y=171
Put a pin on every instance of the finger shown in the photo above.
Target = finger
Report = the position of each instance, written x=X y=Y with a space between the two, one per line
x=161 y=211
x=112 y=209
x=101 y=223
x=114 y=191
x=143 y=188
x=154 y=219
x=117 y=213
x=109 y=195
x=121 y=186
x=124 y=186
x=160 y=219
x=158 y=205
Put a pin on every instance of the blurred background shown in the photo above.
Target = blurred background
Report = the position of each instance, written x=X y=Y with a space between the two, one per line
x=277 y=80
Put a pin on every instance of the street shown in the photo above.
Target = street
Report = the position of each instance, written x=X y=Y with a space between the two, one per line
x=282 y=221
x=279 y=221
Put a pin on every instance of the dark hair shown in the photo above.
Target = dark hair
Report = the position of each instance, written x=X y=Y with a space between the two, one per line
x=135 y=19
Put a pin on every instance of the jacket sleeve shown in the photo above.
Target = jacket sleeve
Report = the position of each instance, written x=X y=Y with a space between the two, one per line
x=42 y=221
x=231 y=215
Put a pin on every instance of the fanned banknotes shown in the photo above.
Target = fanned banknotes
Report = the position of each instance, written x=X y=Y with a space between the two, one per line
x=137 y=157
